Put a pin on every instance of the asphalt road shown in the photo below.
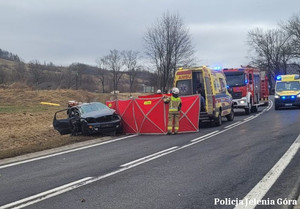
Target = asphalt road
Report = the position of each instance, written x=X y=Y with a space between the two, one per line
x=197 y=170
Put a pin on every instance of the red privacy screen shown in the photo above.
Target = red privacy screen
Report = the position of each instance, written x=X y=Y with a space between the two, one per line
x=149 y=114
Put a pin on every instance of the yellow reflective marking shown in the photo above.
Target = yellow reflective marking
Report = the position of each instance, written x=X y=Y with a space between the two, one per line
x=147 y=102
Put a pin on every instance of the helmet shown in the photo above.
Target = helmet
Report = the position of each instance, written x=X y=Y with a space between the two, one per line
x=158 y=91
x=175 y=90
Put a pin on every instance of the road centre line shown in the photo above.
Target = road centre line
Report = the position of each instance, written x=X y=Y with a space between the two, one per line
x=40 y=195
x=74 y=185
x=252 y=117
x=242 y=122
x=205 y=136
x=249 y=117
x=264 y=185
x=149 y=156
x=64 y=152
x=234 y=124
x=270 y=106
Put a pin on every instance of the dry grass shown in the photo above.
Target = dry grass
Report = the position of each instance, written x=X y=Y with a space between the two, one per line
x=26 y=125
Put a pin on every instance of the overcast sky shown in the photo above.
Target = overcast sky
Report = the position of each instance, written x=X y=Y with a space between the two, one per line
x=67 y=31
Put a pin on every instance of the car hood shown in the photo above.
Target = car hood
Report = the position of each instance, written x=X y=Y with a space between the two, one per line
x=97 y=114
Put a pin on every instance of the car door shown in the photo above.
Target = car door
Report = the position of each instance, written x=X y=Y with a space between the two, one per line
x=63 y=125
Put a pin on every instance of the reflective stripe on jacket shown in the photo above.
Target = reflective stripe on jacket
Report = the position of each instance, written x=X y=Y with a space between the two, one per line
x=174 y=104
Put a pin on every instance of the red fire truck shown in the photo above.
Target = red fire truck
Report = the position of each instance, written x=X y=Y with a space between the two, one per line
x=248 y=87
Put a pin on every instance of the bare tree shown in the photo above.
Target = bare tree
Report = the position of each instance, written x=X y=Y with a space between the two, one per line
x=20 y=72
x=68 y=78
x=272 y=50
x=169 y=45
x=292 y=27
x=59 y=79
x=114 y=62
x=130 y=61
x=36 y=72
x=3 y=75
x=78 y=70
x=102 y=72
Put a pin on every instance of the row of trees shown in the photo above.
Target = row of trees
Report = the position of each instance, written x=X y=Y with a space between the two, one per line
x=9 y=56
x=276 y=50
x=78 y=75
x=118 y=62
x=44 y=76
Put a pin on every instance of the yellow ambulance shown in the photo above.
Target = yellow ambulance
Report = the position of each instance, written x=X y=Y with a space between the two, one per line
x=287 y=91
x=212 y=88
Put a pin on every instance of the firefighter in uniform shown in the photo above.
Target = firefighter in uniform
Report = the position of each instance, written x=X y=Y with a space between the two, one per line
x=174 y=110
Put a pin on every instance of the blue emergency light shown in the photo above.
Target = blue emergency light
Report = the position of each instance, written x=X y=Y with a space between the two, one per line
x=293 y=97
x=217 y=68
x=283 y=97
x=278 y=78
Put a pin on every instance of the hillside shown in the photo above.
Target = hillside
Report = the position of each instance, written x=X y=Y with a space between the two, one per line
x=47 y=76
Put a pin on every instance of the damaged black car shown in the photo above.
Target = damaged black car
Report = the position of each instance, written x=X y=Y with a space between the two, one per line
x=87 y=119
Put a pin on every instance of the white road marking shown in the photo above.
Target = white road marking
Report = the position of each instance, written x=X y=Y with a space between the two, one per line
x=147 y=157
x=201 y=140
x=41 y=195
x=64 y=152
x=263 y=186
x=73 y=185
x=205 y=136
x=248 y=118
x=270 y=105
x=234 y=124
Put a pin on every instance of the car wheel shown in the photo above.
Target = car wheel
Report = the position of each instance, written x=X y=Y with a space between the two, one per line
x=254 y=109
x=248 y=109
x=218 y=120
x=230 y=116
x=276 y=107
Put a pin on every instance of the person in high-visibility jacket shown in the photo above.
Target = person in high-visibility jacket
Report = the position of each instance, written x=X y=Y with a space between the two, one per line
x=174 y=110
